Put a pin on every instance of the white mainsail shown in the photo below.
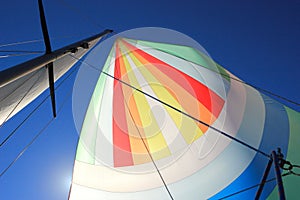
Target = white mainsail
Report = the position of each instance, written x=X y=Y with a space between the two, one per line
x=16 y=93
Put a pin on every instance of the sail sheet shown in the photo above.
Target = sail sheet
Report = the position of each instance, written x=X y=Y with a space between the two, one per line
x=150 y=129
x=15 y=95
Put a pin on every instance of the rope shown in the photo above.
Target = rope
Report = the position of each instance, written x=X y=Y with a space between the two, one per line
x=294 y=173
x=290 y=166
x=286 y=165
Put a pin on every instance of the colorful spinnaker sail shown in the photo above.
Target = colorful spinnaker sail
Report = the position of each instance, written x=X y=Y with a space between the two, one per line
x=140 y=139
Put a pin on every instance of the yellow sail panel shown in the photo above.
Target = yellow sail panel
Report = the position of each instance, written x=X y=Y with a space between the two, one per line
x=155 y=140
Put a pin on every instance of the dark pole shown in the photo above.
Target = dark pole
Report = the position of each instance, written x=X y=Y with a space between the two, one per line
x=278 y=177
x=263 y=180
x=48 y=51
x=44 y=27
x=9 y=75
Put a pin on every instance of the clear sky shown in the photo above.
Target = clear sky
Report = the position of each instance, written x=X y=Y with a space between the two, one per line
x=258 y=41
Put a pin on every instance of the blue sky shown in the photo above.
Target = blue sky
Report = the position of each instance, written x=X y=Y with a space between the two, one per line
x=258 y=41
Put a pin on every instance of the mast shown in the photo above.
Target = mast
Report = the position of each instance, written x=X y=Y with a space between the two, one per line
x=9 y=75
x=45 y=61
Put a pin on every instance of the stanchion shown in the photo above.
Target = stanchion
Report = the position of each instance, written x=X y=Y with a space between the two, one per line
x=278 y=176
x=276 y=159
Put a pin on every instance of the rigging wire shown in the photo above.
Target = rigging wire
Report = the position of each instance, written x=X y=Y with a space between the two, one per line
x=149 y=153
x=35 y=41
x=178 y=110
x=39 y=133
x=21 y=51
x=26 y=147
x=22 y=42
x=191 y=117
x=36 y=108
x=243 y=82
x=260 y=89
x=15 y=55
x=27 y=117
x=34 y=139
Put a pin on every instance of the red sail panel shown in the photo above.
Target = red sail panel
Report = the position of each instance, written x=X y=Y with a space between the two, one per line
x=205 y=96
x=121 y=151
